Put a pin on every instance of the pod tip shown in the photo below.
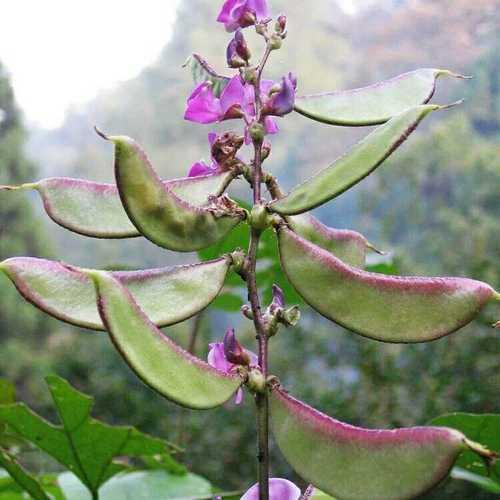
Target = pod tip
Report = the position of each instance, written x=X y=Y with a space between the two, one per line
x=455 y=75
x=28 y=185
x=100 y=133
x=375 y=249
x=489 y=456
x=452 y=105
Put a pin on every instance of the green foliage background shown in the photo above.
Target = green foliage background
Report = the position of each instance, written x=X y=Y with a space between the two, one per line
x=435 y=204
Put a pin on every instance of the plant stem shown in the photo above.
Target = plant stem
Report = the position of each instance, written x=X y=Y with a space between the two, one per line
x=261 y=399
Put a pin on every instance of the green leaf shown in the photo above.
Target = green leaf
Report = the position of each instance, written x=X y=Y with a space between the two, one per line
x=484 y=429
x=374 y=104
x=141 y=485
x=84 y=445
x=202 y=72
x=227 y=301
x=483 y=482
x=21 y=477
x=7 y=391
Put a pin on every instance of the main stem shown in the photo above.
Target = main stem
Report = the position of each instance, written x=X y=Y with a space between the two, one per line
x=261 y=399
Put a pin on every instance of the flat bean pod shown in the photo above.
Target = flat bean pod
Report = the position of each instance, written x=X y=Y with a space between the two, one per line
x=352 y=463
x=374 y=104
x=94 y=209
x=158 y=213
x=378 y=306
x=168 y=295
x=349 y=246
x=154 y=357
x=354 y=166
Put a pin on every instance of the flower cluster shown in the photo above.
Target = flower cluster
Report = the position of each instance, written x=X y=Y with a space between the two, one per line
x=237 y=100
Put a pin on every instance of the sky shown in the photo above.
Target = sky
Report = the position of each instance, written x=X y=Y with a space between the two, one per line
x=61 y=53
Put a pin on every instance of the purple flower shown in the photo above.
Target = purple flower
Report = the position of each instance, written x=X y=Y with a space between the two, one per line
x=217 y=358
x=201 y=168
x=242 y=13
x=279 y=489
x=236 y=101
x=282 y=102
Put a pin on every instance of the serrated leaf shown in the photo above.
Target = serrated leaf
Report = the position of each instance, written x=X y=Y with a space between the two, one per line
x=86 y=446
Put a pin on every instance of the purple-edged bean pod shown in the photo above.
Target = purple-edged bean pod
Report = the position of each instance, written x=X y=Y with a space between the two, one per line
x=374 y=104
x=154 y=357
x=158 y=213
x=378 y=306
x=94 y=209
x=352 y=463
x=355 y=165
x=167 y=295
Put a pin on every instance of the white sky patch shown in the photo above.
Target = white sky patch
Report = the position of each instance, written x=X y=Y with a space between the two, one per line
x=61 y=53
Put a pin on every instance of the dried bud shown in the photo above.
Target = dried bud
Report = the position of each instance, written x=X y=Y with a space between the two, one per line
x=233 y=351
x=224 y=149
x=290 y=316
x=280 y=26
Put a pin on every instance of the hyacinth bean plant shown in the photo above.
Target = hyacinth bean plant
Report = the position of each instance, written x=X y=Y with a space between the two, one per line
x=323 y=264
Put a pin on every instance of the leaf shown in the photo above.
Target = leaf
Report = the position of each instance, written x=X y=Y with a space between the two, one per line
x=374 y=104
x=141 y=485
x=7 y=391
x=84 y=445
x=21 y=477
x=227 y=301
x=353 y=166
x=202 y=72
x=483 y=482
x=484 y=429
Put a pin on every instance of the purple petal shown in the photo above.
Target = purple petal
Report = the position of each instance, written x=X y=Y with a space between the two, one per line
x=203 y=106
x=227 y=12
x=278 y=297
x=238 y=398
x=279 y=489
x=217 y=359
x=212 y=137
x=282 y=102
x=233 y=351
x=201 y=168
x=233 y=95
x=270 y=125
x=259 y=7
x=254 y=359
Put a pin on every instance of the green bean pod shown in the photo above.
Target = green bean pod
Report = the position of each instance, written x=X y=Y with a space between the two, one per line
x=352 y=463
x=94 y=209
x=374 y=104
x=348 y=246
x=378 y=306
x=354 y=166
x=168 y=295
x=154 y=357
x=158 y=213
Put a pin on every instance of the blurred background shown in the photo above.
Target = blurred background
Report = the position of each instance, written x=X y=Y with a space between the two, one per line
x=435 y=205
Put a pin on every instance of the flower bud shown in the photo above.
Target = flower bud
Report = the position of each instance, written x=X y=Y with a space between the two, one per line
x=275 y=42
x=256 y=131
x=249 y=75
x=278 y=298
x=266 y=150
x=280 y=26
x=237 y=53
x=233 y=351
x=246 y=310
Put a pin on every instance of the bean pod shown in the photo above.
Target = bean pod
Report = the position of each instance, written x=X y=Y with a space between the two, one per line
x=168 y=295
x=94 y=209
x=374 y=104
x=158 y=213
x=354 y=166
x=352 y=463
x=378 y=306
x=154 y=357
